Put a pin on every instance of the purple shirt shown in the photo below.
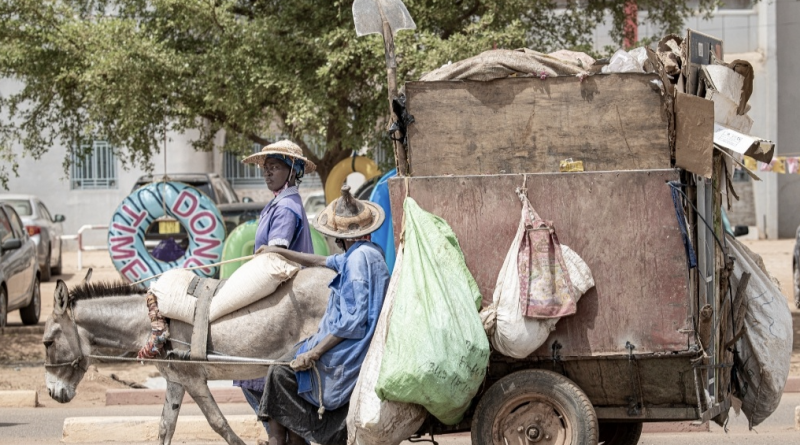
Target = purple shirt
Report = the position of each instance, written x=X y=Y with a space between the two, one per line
x=283 y=222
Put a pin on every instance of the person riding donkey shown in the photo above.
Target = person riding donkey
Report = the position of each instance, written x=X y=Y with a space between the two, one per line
x=309 y=400
x=283 y=222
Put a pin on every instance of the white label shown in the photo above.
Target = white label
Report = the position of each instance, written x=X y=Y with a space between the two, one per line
x=700 y=51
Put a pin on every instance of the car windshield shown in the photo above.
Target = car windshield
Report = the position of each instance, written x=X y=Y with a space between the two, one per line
x=204 y=187
x=22 y=206
x=314 y=204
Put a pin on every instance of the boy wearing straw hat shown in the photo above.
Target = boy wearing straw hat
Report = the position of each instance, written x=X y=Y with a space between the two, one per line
x=309 y=400
x=283 y=222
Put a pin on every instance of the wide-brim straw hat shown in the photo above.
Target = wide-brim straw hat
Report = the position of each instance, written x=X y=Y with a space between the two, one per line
x=348 y=217
x=285 y=148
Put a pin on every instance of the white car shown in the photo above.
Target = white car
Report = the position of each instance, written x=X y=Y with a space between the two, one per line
x=43 y=228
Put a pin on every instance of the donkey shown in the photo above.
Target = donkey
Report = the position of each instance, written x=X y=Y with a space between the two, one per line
x=114 y=315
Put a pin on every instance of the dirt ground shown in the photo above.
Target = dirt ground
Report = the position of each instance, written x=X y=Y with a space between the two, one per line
x=22 y=353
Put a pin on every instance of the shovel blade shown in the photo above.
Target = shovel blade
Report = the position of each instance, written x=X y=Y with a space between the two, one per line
x=369 y=14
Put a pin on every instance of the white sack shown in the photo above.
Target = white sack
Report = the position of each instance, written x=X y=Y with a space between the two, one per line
x=511 y=333
x=765 y=350
x=171 y=291
x=251 y=282
x=626 y=61
x=372 y=421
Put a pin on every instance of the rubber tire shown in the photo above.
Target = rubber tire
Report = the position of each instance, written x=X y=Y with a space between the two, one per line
x=30 y=313
x=620 y=433
x=796 y=279
x=574 y=405
x=46 y=269
x=3 y=307
x=57 y=269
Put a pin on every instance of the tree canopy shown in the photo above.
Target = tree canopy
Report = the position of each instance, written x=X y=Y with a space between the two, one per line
x=125 y=70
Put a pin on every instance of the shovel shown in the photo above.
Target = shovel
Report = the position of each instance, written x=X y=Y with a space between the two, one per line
x=385 y=17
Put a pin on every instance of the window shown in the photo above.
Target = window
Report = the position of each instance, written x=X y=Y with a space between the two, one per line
x=44 y=212
x=5 y=227
x=238 y=173
x=16 y=223
x=22 y=206
x=94 y=167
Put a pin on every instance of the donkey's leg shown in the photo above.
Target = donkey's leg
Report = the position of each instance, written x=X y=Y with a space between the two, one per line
x=169 y=415
x=202 y=396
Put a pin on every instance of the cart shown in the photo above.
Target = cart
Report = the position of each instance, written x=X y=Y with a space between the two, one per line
x=632 y=353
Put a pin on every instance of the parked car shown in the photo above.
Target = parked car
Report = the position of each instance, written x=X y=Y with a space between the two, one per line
x=234 y=211
x=313 y=204
x=43 y=228
x=19 y=272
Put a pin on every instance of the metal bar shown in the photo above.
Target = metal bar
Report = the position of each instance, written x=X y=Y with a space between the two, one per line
x=647 y=413
x=231 y=358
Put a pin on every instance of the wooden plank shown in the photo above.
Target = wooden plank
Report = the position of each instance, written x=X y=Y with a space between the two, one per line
x=610 y=122
x=621 y=223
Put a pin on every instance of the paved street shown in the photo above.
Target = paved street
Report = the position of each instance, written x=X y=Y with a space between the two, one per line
x=42 y=426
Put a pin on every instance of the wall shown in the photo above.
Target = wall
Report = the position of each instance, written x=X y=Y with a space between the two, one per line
x=787 y=29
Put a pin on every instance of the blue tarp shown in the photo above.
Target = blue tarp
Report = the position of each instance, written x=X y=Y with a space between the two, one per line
x=384 y=236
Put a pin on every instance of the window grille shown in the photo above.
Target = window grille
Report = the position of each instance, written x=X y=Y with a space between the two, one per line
x=239 y=173
x=94 y=167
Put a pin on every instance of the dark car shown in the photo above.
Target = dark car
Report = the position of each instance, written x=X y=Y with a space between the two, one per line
x=234 y=211
x=43 y=228
x=19 y=271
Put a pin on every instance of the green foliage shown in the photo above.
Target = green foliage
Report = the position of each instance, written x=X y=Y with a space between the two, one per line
x=126 y=70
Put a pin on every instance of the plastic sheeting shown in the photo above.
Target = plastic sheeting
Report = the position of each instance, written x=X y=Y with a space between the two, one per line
x=384 y=236
x=765 y=350
x=500 y=63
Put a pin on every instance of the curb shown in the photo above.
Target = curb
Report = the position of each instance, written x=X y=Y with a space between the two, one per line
x=19 y=399
x=792 y=384
x=687 y=426
x=145 y=429
x=24 y=330
x=156 y=396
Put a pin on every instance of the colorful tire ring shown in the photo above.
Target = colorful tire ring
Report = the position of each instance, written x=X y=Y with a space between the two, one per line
x=195 y=211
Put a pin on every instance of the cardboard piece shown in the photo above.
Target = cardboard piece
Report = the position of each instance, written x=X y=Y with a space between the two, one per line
x=694 y=126
x=701 y=49
x=755 y=147
x=726 y=112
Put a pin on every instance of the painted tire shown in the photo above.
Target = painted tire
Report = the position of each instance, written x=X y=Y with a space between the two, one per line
x=240 y=242
x=195 y=211
x=339 y=172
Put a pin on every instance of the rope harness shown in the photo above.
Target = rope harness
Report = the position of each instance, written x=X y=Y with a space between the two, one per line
x=213 y=359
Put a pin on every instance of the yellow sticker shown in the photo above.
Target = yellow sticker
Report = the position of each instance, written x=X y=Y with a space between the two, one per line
x=166 y=227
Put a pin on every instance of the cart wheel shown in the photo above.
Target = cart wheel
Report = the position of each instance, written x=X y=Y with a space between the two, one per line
x=620 y=433
x=534 y=406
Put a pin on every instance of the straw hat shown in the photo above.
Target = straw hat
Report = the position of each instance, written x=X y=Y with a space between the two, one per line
x=348 y=217
x=285 y=148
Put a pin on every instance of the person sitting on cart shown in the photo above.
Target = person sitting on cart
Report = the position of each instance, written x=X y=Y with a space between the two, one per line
x=295 y=405
x=283 y=222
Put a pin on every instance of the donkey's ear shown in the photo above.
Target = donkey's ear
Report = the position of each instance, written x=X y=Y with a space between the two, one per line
x=88 y=276
x=61 y=298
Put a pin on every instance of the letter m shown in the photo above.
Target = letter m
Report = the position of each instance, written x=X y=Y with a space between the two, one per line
x=122 y=247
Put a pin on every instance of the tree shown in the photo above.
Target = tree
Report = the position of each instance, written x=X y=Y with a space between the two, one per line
x=125 y=70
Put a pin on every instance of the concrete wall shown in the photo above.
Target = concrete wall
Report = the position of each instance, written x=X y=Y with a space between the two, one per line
x=787 y=29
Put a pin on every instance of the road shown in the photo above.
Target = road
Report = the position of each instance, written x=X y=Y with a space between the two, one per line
x=42 y=426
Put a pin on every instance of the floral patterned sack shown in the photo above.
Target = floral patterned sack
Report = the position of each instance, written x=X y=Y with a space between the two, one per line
x=546 y=290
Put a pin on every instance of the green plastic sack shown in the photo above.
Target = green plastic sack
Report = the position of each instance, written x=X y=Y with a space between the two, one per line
x=436 y=349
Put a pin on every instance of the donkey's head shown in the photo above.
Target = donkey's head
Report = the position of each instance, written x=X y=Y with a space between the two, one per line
x=65 y=350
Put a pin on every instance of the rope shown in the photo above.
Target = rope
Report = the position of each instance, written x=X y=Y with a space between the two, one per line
x=244 y=258
x=320 y=411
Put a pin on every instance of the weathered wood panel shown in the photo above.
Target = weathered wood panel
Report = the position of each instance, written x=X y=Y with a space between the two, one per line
x=610 y=122
x=621 y=223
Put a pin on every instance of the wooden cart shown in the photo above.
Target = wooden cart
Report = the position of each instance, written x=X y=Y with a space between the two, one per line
x=631 y=353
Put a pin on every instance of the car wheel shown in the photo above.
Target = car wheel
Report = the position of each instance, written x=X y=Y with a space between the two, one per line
x=57 y=269
x=46 y=269
x=3 y=307
x=796 y=286
x=30 y=313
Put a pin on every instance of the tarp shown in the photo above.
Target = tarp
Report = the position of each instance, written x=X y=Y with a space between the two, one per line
x=500 y=63
x=384 y=236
